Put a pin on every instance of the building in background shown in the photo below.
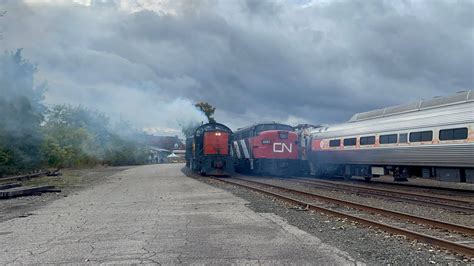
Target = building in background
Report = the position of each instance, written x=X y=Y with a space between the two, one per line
x=165 y=149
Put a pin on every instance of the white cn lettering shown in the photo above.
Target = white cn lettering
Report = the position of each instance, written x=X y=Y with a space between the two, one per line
x=281 y=147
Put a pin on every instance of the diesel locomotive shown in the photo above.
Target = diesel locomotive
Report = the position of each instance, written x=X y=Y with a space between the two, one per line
x=267 y=148
x=208 y=151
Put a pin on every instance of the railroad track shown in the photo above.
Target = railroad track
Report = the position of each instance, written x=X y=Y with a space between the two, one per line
x=29 y=176
x=411 y=197
x=411 y=185
x=367 y=215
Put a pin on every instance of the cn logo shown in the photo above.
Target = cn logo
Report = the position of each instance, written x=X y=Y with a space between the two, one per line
x=281 y=147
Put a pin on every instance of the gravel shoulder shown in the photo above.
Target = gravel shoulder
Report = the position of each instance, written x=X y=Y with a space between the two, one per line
x=427 y=211
x=372 y=246
x=71 y=181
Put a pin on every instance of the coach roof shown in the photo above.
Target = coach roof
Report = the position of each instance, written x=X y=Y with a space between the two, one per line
x=460 y=97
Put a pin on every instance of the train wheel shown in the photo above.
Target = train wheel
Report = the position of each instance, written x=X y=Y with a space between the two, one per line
x=400 y=175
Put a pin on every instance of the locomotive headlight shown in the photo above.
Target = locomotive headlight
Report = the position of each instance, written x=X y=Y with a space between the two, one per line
x=218 y=133
x=266 y=141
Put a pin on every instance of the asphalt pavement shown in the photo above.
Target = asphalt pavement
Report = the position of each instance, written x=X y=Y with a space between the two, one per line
x=155 y=214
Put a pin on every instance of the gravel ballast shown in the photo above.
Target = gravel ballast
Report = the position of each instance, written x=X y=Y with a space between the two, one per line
x=366 y=244
x=427 y=211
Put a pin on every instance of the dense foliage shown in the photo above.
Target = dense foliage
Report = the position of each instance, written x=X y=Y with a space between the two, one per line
x=21 y=114
x=33 y=136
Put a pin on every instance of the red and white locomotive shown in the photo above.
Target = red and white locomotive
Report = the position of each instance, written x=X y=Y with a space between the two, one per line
x=267 y=148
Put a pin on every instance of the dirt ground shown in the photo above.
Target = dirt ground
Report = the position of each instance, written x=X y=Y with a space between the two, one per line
x=71 y=181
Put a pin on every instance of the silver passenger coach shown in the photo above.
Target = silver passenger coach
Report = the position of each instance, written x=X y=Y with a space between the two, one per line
x=430 y=138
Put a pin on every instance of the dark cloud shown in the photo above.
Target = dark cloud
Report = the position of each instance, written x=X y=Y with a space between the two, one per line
x=253 y=60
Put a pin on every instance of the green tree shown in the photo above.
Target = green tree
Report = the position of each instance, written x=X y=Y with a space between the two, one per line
x=125 y=152
x=208 y=110
x=77 y=137
x=127 y=145
x=20 y=114
x=93 y=121
x=32 y=136
x=66 y=141
x=68 y=147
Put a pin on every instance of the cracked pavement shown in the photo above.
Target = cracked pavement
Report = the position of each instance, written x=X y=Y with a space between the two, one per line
x=155 y=214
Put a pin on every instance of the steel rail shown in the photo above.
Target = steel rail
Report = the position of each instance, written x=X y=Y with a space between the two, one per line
x=22 y=177
x=461 y=190
x=413 y=218
x=423 y=195
x=393 y=194
x=453 y=246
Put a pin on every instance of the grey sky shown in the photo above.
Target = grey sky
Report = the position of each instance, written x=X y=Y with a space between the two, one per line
x=296 y=61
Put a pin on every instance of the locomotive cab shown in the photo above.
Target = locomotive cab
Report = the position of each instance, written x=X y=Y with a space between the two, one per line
x=208 y=150
x=269 y=148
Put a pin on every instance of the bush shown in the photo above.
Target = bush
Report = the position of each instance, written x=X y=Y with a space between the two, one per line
x=125 y=152
x=79 y=137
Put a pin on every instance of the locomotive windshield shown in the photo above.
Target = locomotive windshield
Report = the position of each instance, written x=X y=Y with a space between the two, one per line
x=211 y=127
x=265 y=127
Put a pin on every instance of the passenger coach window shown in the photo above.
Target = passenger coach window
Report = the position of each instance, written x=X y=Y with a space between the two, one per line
x=387 y=139
x=421 y=136
x=453 y=134
x=350 y=142
x=367 y=140
x=335 y=143
x=403 y=138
